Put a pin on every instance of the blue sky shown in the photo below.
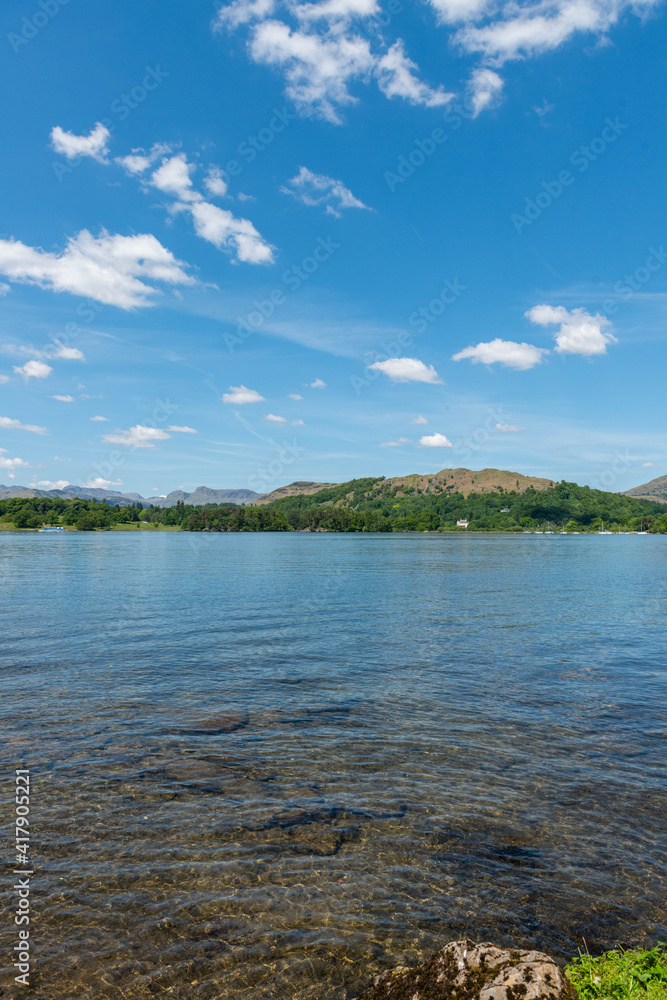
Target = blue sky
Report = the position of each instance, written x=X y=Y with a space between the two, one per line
x=252 y=243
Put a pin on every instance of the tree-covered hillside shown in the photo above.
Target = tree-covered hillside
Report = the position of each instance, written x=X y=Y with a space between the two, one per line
x=363 y=505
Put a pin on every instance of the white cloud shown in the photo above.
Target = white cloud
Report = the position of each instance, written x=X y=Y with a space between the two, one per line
x=95 y=144
x=579 y=333
x=294 y=395
x=69 y=353
x=323 y=57
x=4 y=289
x=326 y=55
x=49 y=484
x=138 y=161
x=213 y=224
x=214 y=182
x=298 y=423
x=64 y=399
x=449 y=11
x=102 y=484
x=317 y=69
x=12 y=463
x=520 y=32
x=98 y=418
x=275 y=419
x=3 y=379
x=221 y=228
x=59 y=351
x=57 y=458
x=33 y=369
x=240 y=394
x=336 y=11
x=106 y=268
x=317 y=384
x=509 y=428
x=395 y=444
x=173 y=177
x=419 y=420
x=435 y=441
x=181 y=430
x=137 y=437
x=648 y=465
x=396 y=79
x=505 y=352
x=242 y=12
x=407 y=370
x=318 y=189
x=484 y=90
x=9 y=424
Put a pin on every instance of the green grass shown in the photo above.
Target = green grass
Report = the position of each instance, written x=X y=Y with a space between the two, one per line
x=621 y=975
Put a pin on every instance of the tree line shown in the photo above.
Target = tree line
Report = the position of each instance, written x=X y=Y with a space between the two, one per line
x=364 y=505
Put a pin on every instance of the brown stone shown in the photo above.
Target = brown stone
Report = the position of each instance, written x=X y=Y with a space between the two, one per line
x=463 y=970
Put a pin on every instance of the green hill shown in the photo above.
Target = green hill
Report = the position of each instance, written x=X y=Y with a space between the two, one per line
x=656 y=489
x=370 y=504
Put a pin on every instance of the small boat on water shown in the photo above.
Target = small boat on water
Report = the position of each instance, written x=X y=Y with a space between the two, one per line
x=51 y=527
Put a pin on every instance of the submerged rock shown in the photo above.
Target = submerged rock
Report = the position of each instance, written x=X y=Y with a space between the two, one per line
x=463 y=970
x=214 y=725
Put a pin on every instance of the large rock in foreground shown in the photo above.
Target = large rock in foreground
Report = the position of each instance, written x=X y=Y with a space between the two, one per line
x=467 y=971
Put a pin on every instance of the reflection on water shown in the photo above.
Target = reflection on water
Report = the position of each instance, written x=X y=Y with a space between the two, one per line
x=271 y=765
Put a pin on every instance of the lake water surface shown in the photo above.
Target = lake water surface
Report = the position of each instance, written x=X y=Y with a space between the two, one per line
x=270 y=765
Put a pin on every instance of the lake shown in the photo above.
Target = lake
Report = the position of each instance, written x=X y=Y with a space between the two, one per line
x=270 y=765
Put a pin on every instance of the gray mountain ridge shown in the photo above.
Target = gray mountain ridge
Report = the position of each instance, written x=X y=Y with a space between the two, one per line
x=201 y=496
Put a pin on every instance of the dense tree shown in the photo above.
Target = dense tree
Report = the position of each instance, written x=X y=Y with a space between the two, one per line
x=365 y=505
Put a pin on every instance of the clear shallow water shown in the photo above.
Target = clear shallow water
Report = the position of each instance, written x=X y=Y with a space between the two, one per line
x=270 y=765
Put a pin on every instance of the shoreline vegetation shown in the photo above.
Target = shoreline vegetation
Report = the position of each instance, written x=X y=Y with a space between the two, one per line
x=635 y=974
x=362 y=505
x=464 y=970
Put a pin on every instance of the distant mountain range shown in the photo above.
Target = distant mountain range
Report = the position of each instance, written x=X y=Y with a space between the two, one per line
x=201 y=496
x=463 y=481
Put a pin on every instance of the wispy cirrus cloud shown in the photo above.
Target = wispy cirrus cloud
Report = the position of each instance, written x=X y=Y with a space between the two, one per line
x=398 y=443
x=10 y=424
x=318 y=189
